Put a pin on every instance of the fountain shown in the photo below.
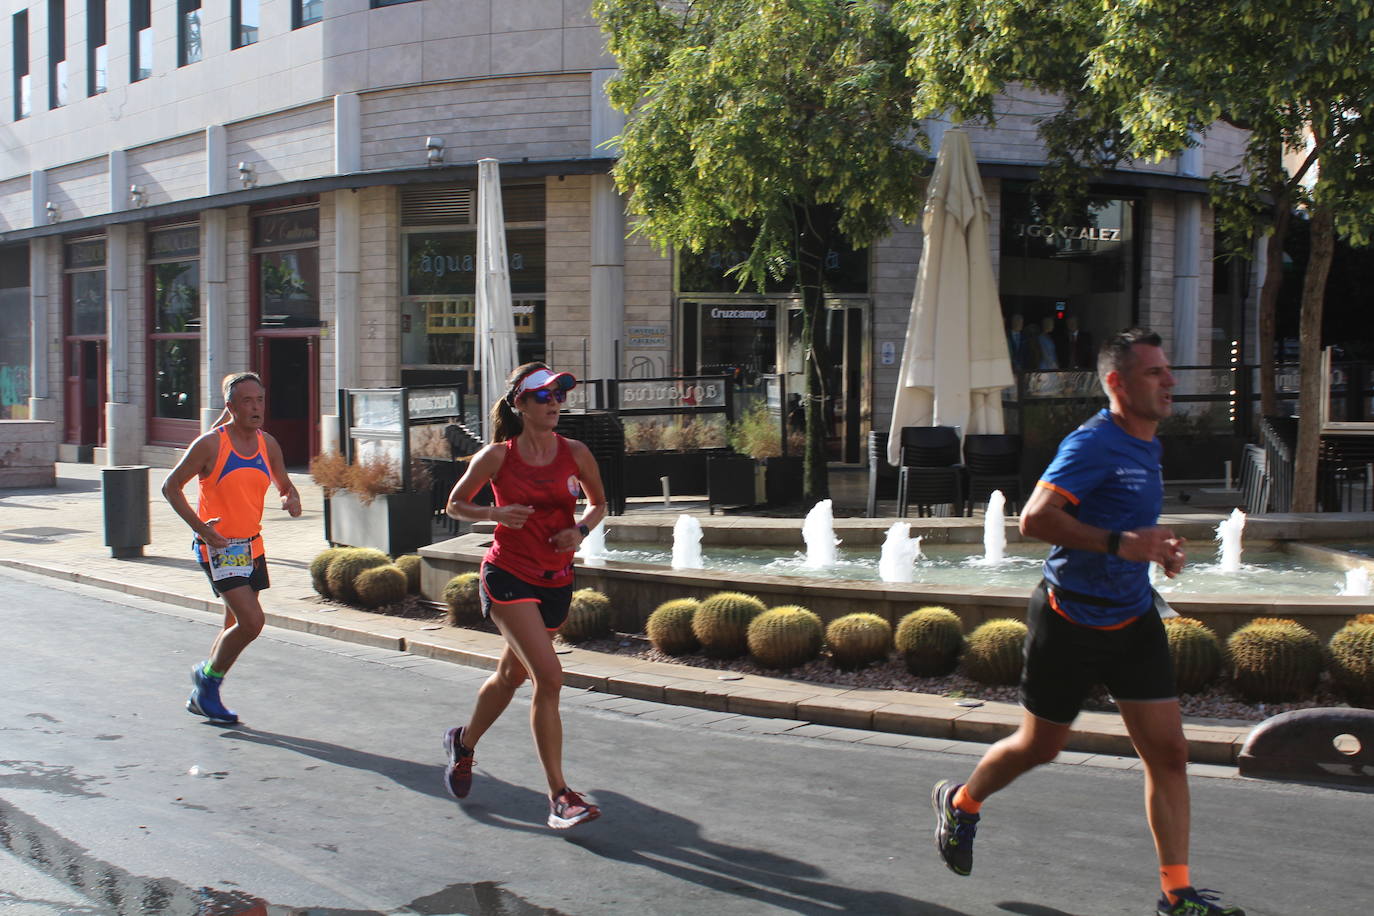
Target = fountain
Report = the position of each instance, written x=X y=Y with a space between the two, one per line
x=1228 y=533
x=994 y=531
x=593 y=549
x=687 y=543
x=818 y=531
x=900 y=552
x=1356 y=583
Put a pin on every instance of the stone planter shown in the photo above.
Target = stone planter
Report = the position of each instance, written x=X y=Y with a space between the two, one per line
x=396 y=523
x=782 y=480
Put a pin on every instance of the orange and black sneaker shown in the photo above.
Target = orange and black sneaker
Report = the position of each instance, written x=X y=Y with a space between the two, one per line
x=1192 y=902
x=954 y=829
x=458 y=773
x=568 y=809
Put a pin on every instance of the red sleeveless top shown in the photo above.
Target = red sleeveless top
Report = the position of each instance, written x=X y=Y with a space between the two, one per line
x=552 y=490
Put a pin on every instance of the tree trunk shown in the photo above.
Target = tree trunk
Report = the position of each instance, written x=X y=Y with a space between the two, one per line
x=815 y=478
x=1310 y=348
x=1269 y=304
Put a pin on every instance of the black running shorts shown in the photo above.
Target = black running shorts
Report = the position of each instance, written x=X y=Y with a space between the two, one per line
x=501 y=587
x=257 y=579
x=1065 y=661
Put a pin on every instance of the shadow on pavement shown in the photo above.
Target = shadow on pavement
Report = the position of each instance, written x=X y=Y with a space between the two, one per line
x=1031 y=909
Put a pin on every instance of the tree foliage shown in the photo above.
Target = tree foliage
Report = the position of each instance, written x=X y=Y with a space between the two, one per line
x=791 y=118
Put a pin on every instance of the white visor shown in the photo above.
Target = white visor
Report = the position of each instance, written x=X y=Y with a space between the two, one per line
x=544 y=378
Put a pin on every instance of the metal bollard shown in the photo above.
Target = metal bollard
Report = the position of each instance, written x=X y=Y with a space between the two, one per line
x=125 y=494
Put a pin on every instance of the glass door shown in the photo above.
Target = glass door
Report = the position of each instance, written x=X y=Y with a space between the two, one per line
x=845 y=360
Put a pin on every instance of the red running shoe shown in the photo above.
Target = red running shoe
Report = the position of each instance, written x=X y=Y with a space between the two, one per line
x=458 y=773
x=568 y=809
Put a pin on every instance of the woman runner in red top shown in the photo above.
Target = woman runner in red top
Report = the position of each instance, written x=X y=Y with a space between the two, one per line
x=527 y=574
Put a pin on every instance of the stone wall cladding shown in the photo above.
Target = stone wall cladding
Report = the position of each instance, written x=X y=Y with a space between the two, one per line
x=543 y=117
x=567 y=252
x=80 y=189
x=285 y=146
x=172 y=170
x=28 y=453
x=379 y=340
x=894 y=260
x=16 y=203
x=237 y=280
x=648 y=301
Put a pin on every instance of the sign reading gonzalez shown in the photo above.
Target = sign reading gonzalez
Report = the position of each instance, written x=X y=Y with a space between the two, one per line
x=671 y=393
x=428 y=404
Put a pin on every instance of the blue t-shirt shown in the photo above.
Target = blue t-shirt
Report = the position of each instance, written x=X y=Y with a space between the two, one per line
x=1114 y=481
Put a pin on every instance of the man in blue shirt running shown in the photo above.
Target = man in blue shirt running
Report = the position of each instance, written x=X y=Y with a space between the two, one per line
x=1093 y=620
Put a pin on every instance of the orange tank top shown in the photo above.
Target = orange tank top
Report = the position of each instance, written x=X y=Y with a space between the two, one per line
x=233 y=491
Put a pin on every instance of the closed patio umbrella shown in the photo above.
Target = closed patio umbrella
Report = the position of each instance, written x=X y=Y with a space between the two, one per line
x=495 y=351
x=955 y=361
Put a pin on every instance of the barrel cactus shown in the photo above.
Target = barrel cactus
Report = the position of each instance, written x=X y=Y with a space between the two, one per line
x=858 y=640
x=785 y=637
x=344 y=569
x=930 y=641
x=589 y=616
x=1195 y=651
x=1352 y=660
x=1274 y=660
x=380 y=586
x=994 y=652
x=319 y=569
x=721 y=624
x=410 y=565
x=462 y=600
x=670 y=626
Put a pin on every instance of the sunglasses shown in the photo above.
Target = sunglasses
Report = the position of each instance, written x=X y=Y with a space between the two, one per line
x=545 y=395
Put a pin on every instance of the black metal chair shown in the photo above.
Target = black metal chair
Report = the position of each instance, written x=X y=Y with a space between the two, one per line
x=881 y=477
x=930 y=474
x=993 y=462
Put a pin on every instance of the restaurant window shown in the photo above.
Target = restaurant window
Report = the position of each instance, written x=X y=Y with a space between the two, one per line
x=85 y=269
x=174 y=324
x=97 y=51
x=57 y=53
x=140 y=40
x=286 y=258
x=23 y=85
x=245 y=22
x=845 y=269
x=1067 y=284
x=14 y=331
x=438 y=305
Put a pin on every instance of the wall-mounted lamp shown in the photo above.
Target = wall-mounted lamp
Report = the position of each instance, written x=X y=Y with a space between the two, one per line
x=136 y=196
x=246 y=174
x=434 y=150
x=52 y=212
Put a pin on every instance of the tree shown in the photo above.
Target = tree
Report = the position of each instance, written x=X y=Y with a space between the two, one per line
x=1143 y=79
x=788 y=117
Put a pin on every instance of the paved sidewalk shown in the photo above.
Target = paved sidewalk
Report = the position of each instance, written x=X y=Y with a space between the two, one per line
x=60 y=531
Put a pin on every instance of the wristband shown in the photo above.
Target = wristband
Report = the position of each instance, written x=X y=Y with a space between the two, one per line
x=1113 y=542
x=583 y=530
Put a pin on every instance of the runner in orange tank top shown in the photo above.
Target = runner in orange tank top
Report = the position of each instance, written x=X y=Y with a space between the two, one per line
x=235 y=463
x=526 y=585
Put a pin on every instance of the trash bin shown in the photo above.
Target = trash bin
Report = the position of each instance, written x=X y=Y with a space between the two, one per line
x=125 y=494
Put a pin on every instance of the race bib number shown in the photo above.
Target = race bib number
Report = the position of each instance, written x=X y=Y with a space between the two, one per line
x=234 y=560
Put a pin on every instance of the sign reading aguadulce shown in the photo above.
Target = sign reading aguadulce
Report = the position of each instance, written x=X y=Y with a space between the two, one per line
x=656 y=394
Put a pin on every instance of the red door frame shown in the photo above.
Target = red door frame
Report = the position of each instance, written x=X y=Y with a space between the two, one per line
x=75 y=429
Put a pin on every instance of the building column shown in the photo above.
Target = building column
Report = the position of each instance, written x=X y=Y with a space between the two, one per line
x=1188 y=261
x=347 y=310
x=607 y=278
x=214 y=311
x=123 y=437
x=42 y=344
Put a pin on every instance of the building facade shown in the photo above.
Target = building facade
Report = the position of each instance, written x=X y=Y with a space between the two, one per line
x=290 y=186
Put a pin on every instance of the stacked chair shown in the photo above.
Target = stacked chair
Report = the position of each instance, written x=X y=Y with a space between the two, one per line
x=993 y=462
x=930 y=475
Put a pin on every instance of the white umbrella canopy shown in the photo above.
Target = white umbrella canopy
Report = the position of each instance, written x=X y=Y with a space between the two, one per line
x=955 y=361
x=495 y=351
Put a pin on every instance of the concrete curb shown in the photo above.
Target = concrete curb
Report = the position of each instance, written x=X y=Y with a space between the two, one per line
x=895 y=711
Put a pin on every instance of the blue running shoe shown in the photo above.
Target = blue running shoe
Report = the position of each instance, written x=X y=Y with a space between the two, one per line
x=954 y=829
x=204 y=699
x=1193 y=902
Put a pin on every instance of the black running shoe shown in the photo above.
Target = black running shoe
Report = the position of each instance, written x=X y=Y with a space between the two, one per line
x=458 y=773
x=954 y=829
x=568 y=809
x=1192 y=902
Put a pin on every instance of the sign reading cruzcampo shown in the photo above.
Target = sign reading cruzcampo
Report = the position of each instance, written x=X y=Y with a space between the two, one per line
x=669 y=393
x=432 y=403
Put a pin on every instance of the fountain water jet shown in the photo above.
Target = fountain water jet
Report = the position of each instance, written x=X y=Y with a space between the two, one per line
x=687 y=543
x=1229 y=534
x=897 y=562
x=818 y=531
x=1356 y=583
x=995 y=529
x=593 y=549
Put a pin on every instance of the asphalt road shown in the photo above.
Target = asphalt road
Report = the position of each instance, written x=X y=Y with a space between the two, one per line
x=328 y=799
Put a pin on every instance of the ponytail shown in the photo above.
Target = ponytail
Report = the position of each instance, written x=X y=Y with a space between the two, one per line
x=505 y=422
